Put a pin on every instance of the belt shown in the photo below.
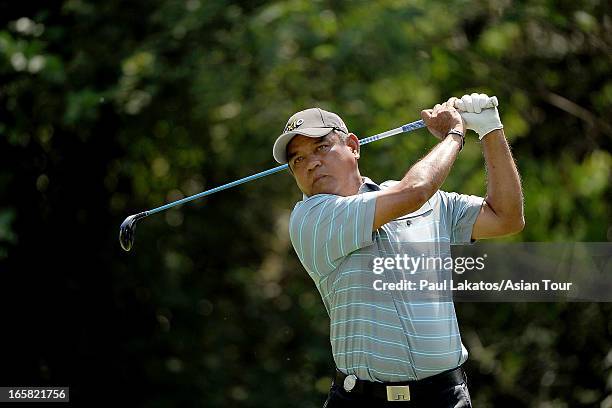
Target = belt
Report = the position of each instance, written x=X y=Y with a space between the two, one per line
x=401 y=391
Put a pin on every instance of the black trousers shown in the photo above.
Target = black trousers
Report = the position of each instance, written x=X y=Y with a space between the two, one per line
x=455 y=396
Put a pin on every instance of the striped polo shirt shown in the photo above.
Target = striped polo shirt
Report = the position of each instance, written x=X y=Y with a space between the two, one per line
x=383 y=335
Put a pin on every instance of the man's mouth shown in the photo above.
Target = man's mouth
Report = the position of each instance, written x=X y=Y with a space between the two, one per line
x=317 y=178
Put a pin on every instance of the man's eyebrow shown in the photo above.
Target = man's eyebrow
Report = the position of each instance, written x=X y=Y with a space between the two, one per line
x=322 y=139
x=319 y=140
x=290 y=156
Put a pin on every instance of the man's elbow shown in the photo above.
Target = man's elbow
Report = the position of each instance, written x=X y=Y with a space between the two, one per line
x=415 y=195
x=514 y=225
x=422 y=192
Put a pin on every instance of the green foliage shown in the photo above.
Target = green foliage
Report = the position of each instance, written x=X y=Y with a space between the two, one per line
x=112 y=107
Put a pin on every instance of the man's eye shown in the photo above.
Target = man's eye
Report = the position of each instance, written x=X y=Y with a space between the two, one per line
x=322 y=147
x=298 y=160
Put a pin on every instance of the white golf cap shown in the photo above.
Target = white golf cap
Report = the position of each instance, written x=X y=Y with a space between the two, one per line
x=313 y=122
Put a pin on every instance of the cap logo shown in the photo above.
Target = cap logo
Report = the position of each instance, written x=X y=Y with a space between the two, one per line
x=295 y=124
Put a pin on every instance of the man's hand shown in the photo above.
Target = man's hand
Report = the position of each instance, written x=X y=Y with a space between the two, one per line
x=443 y=118
x=477 y=117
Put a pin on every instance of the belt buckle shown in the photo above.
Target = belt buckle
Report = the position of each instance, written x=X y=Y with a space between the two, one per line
x=398 y=393
x=349 y=382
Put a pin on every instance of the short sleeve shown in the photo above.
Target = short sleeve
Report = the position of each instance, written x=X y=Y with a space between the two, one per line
x=459 y=213
x=325 y=228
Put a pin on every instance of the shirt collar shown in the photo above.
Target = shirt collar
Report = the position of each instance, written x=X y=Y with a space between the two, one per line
x=368 y=185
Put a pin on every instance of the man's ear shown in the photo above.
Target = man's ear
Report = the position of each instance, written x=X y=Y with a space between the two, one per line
x=353 y=143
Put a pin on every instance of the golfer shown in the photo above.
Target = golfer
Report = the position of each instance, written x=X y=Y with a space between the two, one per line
x=389 y=348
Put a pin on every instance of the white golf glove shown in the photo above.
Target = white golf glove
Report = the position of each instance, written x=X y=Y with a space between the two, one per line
x=479 y=113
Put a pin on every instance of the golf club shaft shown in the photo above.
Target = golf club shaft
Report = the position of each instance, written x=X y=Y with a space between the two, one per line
x=409 y=127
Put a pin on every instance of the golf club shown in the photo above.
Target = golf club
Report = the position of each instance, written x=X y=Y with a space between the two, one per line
x=128 y=227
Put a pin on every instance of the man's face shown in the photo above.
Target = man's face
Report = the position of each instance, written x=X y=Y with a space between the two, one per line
x=324 y=164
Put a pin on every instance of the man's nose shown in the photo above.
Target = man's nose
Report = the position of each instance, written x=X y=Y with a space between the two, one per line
x=313 y=163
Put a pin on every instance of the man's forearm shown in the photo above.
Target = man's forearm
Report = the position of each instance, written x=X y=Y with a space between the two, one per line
x=419 y=184
x=425 y=177
x=504 y=192
x=429 y=173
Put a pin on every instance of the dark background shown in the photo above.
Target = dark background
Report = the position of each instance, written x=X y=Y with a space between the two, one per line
x=109 y=108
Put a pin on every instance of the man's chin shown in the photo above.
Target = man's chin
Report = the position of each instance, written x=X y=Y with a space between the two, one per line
x=324 y=190
x=325 y=185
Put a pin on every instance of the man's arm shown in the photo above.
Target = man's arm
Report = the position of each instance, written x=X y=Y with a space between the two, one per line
x=426 y=176
x=502 y=211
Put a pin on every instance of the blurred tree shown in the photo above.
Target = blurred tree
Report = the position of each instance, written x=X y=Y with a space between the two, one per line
x=108 y=108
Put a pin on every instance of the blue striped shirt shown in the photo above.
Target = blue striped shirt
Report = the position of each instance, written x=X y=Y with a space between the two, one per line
x=384 y=336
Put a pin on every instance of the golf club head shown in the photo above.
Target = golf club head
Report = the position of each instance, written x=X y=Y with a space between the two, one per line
x=128 y=229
